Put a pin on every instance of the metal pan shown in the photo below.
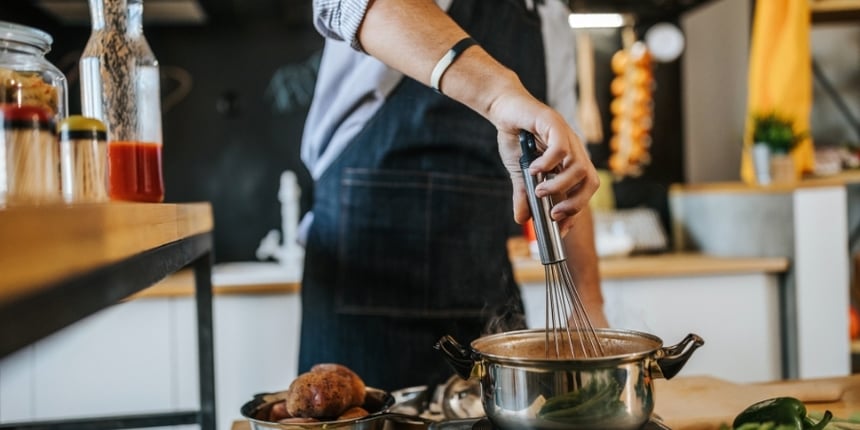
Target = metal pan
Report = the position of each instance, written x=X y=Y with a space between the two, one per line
x=377 y=402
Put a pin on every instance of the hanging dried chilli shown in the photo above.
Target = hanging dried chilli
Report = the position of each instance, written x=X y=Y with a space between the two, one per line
x=632 y=108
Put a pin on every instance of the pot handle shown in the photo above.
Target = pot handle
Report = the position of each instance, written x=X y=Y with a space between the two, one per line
x=671 y=359
x=459 y=357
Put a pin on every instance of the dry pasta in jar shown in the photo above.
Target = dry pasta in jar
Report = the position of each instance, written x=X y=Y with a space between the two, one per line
x=27 y=78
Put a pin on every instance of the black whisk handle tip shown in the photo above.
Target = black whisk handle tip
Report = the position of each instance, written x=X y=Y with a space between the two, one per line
x=529 y=148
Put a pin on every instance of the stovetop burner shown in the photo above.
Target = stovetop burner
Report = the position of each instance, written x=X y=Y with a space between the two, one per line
x=484 y=424
x=428 y=404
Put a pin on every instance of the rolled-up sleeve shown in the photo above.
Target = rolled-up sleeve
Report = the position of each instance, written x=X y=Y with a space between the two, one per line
x=340 y=19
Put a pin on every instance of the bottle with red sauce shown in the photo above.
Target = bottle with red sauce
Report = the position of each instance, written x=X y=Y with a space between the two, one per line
x=120 y=87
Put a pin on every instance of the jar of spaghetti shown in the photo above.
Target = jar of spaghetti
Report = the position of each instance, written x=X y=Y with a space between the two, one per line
x=120 y=87
x=27 y=78
x=29 y=169
x=83 y=159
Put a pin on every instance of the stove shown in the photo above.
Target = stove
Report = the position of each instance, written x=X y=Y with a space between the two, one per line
x=420 y=401
x=485 y=424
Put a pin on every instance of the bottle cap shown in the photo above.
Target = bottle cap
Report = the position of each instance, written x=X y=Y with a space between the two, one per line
x=81 y=127
x=18 y=117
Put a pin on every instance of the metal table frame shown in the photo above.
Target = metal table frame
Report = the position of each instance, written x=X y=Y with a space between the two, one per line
x=32 y=317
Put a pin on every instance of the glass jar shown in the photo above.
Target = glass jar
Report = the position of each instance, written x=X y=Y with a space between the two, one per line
x=29 y=169
x=27 y=78
x=83 y=159
x=120 y=87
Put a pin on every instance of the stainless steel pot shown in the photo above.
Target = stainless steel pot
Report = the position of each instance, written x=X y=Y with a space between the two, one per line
x=521 y=389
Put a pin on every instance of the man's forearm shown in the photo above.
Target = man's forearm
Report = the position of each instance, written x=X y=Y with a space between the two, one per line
x=412 y=35
x=583 y=263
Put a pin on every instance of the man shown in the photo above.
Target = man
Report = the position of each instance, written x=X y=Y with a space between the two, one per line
x=415 y=102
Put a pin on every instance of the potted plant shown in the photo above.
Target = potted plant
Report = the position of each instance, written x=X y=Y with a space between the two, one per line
x=774 y=137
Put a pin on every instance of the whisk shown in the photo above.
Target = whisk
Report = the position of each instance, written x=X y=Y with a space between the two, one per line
x=564 y=307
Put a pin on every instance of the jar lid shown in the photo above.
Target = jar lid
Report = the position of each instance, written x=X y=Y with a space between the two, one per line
x=24 y=34
x=81 y=127
x=27 y=116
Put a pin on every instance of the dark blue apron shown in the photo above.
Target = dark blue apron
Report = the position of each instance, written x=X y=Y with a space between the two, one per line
x=411 y=223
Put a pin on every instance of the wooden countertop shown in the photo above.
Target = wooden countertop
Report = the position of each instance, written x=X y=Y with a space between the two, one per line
x=839 y=179
x=526 y=270
x=44 y=244
x=704 y=403
x=228 y=279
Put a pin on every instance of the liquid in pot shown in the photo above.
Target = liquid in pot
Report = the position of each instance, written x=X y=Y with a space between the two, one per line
x=531 y=345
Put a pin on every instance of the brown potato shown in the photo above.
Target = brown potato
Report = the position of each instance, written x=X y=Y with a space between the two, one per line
x=278 y=412
x=321 y=394
x=298 y=420
x=353 y=413
x=358 y=387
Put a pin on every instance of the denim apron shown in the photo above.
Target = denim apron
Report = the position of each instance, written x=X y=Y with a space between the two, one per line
x=411 y=222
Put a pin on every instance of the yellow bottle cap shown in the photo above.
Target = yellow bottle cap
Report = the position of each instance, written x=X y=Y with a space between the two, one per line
x=81 y=127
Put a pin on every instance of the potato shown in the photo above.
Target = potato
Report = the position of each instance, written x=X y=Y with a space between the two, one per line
x=278 y=412
x=298 y=420
x=321 y=394
x=358 y=387
x=352 y=413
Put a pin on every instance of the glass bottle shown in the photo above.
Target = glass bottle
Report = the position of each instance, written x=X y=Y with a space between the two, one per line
x=120 y=87
x=26 y=77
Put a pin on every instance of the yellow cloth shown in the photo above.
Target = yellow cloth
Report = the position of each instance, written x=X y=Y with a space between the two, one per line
x=780 y=75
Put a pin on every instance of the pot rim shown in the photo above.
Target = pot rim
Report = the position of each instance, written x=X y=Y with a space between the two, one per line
x=570 y=362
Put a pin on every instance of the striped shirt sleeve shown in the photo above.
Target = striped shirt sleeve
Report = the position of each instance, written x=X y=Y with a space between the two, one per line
x=340 y=19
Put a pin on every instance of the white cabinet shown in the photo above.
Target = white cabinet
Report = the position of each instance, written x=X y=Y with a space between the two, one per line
x=141 y=356
x=737 y=315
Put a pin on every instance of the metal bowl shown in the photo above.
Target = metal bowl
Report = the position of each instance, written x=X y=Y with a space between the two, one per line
x=377 y=402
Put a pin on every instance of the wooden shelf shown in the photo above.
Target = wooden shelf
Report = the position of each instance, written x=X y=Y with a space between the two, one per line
x=835 y=10
x=62 y=263
x=43 y=244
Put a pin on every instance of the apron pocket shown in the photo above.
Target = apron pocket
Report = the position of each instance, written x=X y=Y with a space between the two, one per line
x=418 y=244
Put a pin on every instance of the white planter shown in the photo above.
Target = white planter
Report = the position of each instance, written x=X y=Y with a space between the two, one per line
x=761 y=162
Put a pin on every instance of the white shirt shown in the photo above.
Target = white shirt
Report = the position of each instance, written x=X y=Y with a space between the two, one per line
x=352 y=86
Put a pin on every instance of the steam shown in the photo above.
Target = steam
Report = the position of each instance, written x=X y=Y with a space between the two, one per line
x=508 y=317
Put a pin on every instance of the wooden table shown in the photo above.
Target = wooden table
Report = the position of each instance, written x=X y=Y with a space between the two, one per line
x=61 y=263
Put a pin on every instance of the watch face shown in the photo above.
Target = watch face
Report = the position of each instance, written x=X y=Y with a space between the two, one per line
x=665 y=41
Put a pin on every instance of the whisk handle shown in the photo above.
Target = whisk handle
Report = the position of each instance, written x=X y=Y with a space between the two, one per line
x=550 y=243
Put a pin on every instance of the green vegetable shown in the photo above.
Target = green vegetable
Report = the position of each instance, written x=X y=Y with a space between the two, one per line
x=596 y=402
x=779 y=413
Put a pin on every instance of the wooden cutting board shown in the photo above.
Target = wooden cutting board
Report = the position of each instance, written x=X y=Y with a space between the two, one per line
x=703 y=403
